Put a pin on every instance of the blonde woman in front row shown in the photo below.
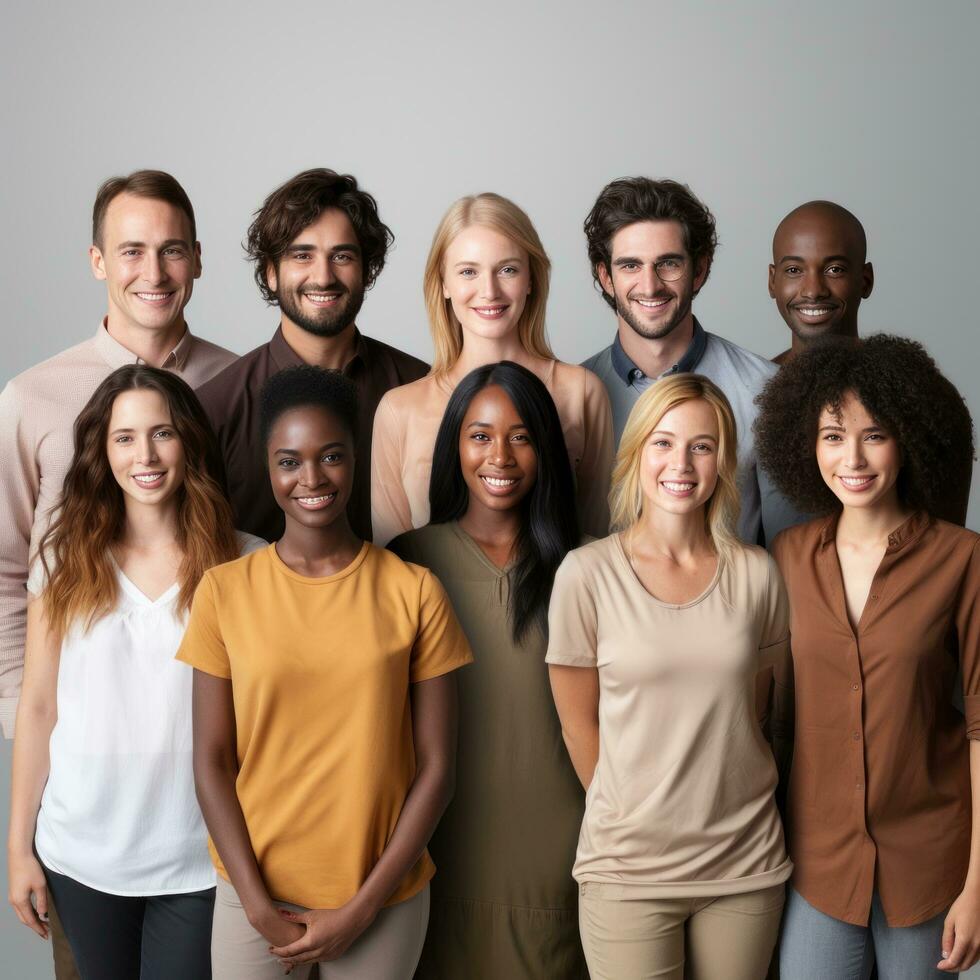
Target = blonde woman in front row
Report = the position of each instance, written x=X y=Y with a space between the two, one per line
x=681 y=862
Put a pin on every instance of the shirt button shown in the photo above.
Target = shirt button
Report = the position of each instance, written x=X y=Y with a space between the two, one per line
x=854 y=687
x=856 y=736
x=857 y=785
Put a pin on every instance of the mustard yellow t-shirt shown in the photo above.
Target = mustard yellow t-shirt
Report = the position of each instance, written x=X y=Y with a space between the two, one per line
x=320 y=671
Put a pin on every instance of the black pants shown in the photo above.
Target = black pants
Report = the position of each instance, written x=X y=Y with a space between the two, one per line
x=161 y=937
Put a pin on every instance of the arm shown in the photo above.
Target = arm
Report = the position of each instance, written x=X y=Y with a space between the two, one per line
x=391 y=513
x=329 y=932
x=598 y=451
x=20 y=482
x=215 y=772
x=36 y=716
x=576 y=694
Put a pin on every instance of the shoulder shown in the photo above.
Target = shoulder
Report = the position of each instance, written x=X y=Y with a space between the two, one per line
x=50 y=375
x=405 y=366
x=219 y=357
x=247 y=543
x=401 y=575
x=798 y=541
x=233 y=382
x=231 y=574
x=578 y=382
x=756 y=562
x=599 y=363
x=409 y=395
x=584 y=562
x=953 y=538
x=416 y=545
x=736 y=363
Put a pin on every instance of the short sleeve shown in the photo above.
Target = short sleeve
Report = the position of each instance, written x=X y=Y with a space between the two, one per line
x=573 y=622
x=440 y=645
x=391 y=512
x=968 y=635
x=203 y=647
x=774 y=614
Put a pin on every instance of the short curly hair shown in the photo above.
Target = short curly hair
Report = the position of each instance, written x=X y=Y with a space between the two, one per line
x=898 y=384
x=297 y=204
x=307 y=385
x=630 y=199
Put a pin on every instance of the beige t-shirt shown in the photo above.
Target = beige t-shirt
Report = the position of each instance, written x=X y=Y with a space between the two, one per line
x=681 y=804
x=407 y=422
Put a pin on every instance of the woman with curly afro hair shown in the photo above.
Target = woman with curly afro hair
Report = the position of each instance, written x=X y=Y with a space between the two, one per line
x=883 y=804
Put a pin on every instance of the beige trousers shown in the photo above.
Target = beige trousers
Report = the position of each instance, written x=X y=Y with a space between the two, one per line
x=673 y=939
x=388 y=949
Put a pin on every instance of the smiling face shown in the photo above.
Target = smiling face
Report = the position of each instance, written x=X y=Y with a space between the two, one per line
x=487 y=279
x=652 y=278
x=499 y=464
x=679 y=467
x=819 y=275
x=319 y=281
x=145 y=453
x=310 y=454
x=147 y=261
x=858 y=459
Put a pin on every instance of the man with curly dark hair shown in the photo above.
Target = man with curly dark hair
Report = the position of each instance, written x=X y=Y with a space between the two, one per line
x=651 y=244
x=316 y=244
x=885 y=623
x=819 y=273
x=901 y=387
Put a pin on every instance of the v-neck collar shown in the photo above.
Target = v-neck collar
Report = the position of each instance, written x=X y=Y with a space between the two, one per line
x=137 y=594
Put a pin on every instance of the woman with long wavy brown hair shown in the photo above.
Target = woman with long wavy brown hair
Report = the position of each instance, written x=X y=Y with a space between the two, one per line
x=104 y=818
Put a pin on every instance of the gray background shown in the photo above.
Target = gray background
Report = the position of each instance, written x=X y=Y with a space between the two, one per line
x=758 y=106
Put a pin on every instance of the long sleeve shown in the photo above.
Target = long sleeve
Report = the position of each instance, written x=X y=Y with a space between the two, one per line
x=20 y=482
x=391 y=513
x=595 y=468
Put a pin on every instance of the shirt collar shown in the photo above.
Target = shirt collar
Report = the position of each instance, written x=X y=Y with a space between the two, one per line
x=900 y=538
x=116 y=355
x=284 y=356
x=629 y=373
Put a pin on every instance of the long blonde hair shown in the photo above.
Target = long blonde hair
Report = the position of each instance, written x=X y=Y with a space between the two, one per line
x=503 y=216
x=626 y=495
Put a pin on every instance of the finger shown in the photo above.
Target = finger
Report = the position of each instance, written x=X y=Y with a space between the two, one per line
x=302 y=945
x=311 y=956
x=952 y=962
x=41 y=902
x=294 y=916
x=949 y=936
x=27 y=915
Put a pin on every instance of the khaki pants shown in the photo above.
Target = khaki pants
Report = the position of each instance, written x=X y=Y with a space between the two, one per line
x=64 y=959
x=388 y=949
x=672 y=939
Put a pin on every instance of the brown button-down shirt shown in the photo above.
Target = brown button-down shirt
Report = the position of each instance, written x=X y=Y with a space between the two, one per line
x=231 y=400
x=879 y=793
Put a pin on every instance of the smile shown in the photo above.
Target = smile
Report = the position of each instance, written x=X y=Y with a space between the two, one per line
x=323 y=299
x=857 y=482
x=678 y=488
x=815 y=312
x=154 y=297
x=499 y=486
x=316 y=503
x=490 y=312
x=149 y=481
x=652 y=304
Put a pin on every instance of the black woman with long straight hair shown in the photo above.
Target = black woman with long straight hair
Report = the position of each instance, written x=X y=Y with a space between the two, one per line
x=503 y=517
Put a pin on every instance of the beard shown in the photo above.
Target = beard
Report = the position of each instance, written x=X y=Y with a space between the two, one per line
x=662 y=329
x=323 y=323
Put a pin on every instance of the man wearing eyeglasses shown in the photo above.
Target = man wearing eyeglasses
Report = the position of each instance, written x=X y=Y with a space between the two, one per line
x=651 y=243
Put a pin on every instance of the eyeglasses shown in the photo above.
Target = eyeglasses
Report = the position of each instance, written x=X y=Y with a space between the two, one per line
x=670 y=270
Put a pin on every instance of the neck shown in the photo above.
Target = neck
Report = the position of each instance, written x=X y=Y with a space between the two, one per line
x=496 y=527
x=478 y=351
x=151 y=346
x=677 y=536
x=654 y=356
x=332 y=353
x=872 y=524
x=149 y=526
x=799 y=344
x=311 y=546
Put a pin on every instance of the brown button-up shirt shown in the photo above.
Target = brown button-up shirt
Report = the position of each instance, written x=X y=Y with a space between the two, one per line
x=231 y=400
x=879 y=793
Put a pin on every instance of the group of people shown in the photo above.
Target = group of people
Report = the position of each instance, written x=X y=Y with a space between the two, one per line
x=326 y=659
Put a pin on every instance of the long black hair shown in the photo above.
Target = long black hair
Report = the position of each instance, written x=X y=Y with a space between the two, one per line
x=549 y=520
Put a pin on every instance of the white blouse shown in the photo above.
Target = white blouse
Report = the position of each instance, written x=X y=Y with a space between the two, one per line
x=119 y=812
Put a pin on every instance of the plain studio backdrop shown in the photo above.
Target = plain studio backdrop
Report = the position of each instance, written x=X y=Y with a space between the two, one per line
x=758 y=106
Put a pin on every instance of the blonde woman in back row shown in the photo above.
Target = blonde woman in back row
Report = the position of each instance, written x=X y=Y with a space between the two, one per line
x=656 y=637
x=486 y=290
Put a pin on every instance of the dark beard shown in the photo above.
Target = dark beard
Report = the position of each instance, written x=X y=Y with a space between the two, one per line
x=623 y=309
x=330 y=322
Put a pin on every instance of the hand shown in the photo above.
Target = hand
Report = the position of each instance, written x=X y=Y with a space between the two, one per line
x=329 y=933
x=961 y=933
x=276 y=929
x=26 y=881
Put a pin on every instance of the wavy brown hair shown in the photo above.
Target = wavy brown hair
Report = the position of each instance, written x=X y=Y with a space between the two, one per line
x=91 y=516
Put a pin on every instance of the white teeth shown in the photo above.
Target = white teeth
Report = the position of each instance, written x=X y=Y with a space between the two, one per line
x=153 y=296
x=679 y=487
x=316 y=500
x=322 y=297
x=495 y=482
x=489 y=310
x=806 y=311
x=147 y=477
x=855 y=481
x=652 y=304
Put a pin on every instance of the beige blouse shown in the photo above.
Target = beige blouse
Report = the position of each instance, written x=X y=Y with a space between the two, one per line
x=408 y=419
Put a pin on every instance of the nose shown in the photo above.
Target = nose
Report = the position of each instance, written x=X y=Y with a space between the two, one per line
x=146 y=450
x=323 y=271
x=310 y=474
x=813 y=286
x=680 y=459
x=153 y=272
x=854 y=454
x=500 y=453
x=649 y=280
x=489 y=287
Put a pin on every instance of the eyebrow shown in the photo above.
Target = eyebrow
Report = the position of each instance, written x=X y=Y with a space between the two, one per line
x=167 y=244
x=512 y=259
x=841 y=428
x=664 y=432
x=826 y=258
x=342 y=247
x=297 y=452
x=489 y=425
x=635 y=260
x=152 y=428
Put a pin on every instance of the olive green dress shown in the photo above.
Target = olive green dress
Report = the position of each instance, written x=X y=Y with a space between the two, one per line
x=504 y=904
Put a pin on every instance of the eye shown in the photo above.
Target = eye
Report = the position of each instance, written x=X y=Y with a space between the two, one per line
x=175 y=251
x=661 y=443
x=467 y=273
x=831 y=437
x=792 y=270
x=876 y=437
x=343 y=258
x=509 y=270
x=300 y=256
x=130 y=253
x=332 y=458
x=701 y=447
x=123 y=439
x=520 y=437
x=480 y=437
x=668 y=265
x=836 y=270
x=163 y=434
x=287 y=463
x=629 y=266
